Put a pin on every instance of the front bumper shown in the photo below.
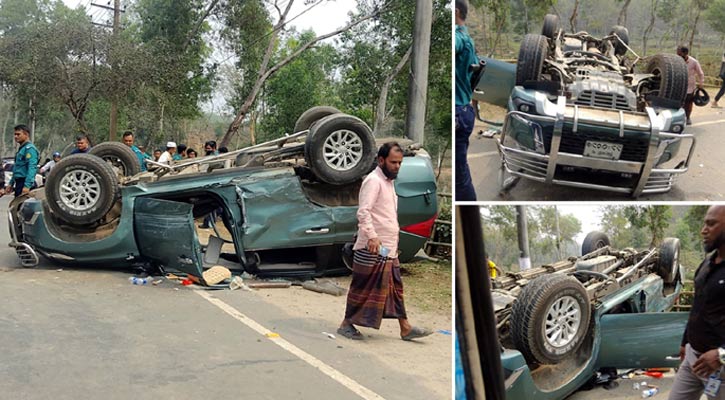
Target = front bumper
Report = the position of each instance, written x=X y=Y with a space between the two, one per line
x=27 y=254
x=550 y=163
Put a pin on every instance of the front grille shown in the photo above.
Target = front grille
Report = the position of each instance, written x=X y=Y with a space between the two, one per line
x=635 y=149
x=602 y=100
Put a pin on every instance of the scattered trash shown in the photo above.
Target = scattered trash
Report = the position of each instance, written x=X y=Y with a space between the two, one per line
x=271 y=335
x=654 y=374
x=237 y=283
x=216 y=274
x=172 y=277
x=649 y=392
x=186 y=282
x=444 y=332
x=327 y=287
x=640 y=385
x=269 y=285
x=157 y=282
x=59 y=269
x=329 y=335
x=139 y=281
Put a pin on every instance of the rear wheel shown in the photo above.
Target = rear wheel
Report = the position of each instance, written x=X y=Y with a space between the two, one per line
x=120 y=157
x=623 y=33
x=550 y=318
x=340 y=149
x=593 y=241
x=551 y=26
x=669 y=261
x=313 y=115
x=81 y=189
x=533 y=52
x=672 y=73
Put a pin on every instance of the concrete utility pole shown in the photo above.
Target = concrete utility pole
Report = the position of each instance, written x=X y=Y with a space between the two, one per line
x=523 y=234
x=116 y=30
x=418 y=85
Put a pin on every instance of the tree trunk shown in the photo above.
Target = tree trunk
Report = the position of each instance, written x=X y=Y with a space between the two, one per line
x=499 y=29
x=5 y=129
x=265 y=73
x=651 y=25
x=161 y=120
x=572 y=19
x=622 y=20
x=382 y=100
x=694 y=28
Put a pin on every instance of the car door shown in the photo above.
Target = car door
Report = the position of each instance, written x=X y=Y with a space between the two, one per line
x=497 y=82
x=165 y=233
x=646 y=340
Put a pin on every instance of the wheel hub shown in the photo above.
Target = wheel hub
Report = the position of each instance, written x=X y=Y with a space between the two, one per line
x=79 y=190
x=562 y=321
x=343 y=150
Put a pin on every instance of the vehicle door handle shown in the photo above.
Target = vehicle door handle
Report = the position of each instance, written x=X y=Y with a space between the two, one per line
x=318 y=230
x=426 y=196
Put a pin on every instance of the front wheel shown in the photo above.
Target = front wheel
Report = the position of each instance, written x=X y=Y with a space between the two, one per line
x=340 y=149
x=594 y=240
x=120 y=157
x=81 y=189
x=669 y=260
x=550 y=318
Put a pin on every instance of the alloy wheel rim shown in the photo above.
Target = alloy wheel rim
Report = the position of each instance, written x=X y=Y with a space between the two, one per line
x=343 y=150
x=562 y=321
x=79 y=190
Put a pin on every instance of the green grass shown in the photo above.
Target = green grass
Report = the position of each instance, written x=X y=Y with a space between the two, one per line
x=428 y=285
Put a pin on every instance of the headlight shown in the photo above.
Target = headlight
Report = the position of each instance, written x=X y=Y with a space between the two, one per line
x=676 y=128
x=524 y=108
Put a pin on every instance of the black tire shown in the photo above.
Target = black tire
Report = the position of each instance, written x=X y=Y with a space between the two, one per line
x=672 y=71
x=594 y=240
x=88 y=171
x=119 y=156
x=623 y=34
x=551 y=26
x=313 y=115
x=67 y=149
x=534 y=50
x=348 y=131
x=535 y=309
x=668 y=263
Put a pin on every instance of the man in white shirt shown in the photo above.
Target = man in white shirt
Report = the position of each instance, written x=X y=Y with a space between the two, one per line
x=168 y=155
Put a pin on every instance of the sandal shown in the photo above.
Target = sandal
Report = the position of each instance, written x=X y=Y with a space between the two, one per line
x=416 y=333
x=350 y=332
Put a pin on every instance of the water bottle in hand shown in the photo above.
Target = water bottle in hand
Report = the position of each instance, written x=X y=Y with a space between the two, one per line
x=384 y=251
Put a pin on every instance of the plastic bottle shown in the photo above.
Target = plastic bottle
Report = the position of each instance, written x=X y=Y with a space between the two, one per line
x=384 y=251
x=139 y=281
x=649 y=393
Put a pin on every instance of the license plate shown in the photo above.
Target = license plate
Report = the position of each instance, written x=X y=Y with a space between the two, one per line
x=609 y=151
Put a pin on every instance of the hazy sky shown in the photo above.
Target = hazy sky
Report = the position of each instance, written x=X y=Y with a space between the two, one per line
x=323 y=18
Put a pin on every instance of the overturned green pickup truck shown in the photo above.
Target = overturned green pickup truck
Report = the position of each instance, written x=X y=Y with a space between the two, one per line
x=582 y=113
x=287 y=206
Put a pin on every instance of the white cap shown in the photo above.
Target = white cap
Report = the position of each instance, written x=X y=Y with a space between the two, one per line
x=171 y=144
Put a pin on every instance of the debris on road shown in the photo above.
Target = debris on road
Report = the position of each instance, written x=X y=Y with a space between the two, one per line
x=329 y=335
x=216 y=274
x=327 y=287
x=272 y=335
x=238 y=283
x=269 y=285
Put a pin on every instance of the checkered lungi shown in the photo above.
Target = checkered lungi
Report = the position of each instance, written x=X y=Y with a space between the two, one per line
x=376 y=290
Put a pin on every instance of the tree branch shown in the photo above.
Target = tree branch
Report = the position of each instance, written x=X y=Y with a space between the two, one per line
x=199 y=24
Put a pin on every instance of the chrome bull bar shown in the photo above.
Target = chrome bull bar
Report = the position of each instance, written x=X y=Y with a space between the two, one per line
x=542 y=167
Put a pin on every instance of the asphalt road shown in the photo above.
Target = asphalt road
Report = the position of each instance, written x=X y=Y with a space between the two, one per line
x=89 y=333
x=705 y=181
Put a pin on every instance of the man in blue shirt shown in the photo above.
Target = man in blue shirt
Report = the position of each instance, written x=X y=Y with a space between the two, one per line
x=83 y=145
x=128 y=141
x=465 y=115
x=26 y=163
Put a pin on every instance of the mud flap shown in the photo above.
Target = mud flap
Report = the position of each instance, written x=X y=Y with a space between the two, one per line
x=646 y=340
x=165 y=233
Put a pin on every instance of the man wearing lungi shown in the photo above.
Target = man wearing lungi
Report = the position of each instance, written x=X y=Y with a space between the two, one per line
x=376 y=290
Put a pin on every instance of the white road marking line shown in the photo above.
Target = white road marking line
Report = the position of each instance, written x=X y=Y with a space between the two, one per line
x=719 y=121
x=486 y=154
x=344 y=380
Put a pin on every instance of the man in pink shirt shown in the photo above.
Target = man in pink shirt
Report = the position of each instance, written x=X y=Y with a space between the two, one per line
x=376 y=290
x=695 y=79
